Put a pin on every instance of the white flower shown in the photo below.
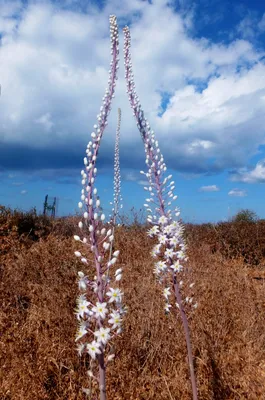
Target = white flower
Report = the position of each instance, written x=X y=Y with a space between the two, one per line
x=82 y=283
x=100 y=310
x=167 y=229
x=93 y=349
x=81 y=330
x=114 y=295
x=166 y=292
x=162 y=239
x=180 y=255
x=156 y=250
x=161 y=266
x=82 y=307
x=110 y=357
x=177 y=267
x=103 y=335
x=115 y=319
x=163 y=220
x=167 y=307
x=174 y=241
x=169 y=253
x=153 y=231
x=80 y=348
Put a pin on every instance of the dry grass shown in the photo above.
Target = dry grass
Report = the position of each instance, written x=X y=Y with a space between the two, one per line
x=38 y=290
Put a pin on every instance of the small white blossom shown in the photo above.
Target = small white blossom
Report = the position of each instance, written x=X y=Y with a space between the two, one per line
x=163 y=220
x=180 y=255
x=80 y=348
x=82 y=283
x=82 y=306
x=177 y=267
x=100 y=310
x=166 y=292
x=174 y=241
x=115 y=319
x=81 y=330
x=169 y=253
x=93 y=349
x=103 y=335
x=167 y=307
x=114 y=295
x=153 y=231
x=162 y=239
x=156 y=250
x=110 y=357
x=161 y=265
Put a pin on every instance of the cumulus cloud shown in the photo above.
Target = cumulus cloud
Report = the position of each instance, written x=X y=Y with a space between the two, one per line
x=237 y=193
x=210 y=188
x=54 y=65
x=256 y=175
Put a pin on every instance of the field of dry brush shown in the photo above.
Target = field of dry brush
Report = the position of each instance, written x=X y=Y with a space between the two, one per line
x=38 y=271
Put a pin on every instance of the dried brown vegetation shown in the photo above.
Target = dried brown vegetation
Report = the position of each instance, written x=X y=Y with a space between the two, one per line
x=38 y=272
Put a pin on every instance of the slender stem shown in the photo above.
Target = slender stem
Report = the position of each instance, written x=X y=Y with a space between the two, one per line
x=187 y=337
x=102 y=376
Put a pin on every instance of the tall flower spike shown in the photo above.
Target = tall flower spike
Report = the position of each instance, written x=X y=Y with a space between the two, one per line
x=117 y=172
x=171 y=247
x=94 y=306
x=116 y=187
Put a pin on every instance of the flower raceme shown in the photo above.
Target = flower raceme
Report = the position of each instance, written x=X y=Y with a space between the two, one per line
x=99 y=308
x=171 y=247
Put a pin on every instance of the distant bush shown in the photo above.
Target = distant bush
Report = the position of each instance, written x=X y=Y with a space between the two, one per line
x=245 y=215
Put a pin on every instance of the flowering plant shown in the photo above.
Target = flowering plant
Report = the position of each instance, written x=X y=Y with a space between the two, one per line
x=171 y=247
x=99 y=306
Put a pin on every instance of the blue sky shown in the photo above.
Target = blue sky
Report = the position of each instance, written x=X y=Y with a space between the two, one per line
x=200 y=74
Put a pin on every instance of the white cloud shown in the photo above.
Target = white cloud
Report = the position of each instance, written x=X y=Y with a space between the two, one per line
x=131 y=176
x=54 y=69
x=210 y=188
x=237 y=193
x=23 y=192
x=256 y=175
x=45 y=120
